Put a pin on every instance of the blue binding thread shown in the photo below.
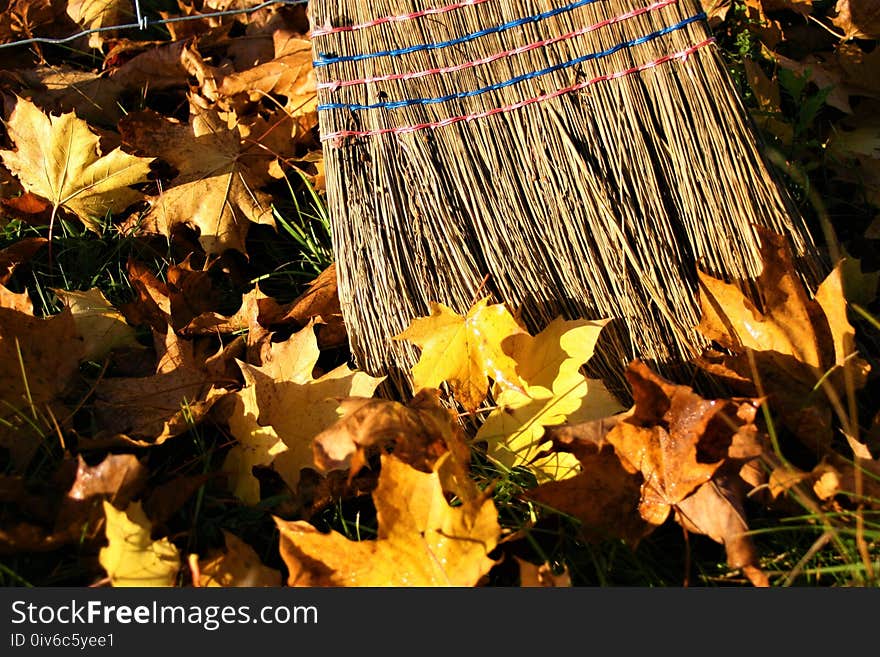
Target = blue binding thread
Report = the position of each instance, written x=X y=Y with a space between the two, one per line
x=397 y=104
x=324 y=60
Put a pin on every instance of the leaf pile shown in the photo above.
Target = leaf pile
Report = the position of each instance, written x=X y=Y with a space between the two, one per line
x=177 y=401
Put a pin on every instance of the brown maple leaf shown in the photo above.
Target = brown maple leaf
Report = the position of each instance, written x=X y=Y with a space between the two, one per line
x=675 y=438
x=149 y=410
x=800 y=348
x=859 y=19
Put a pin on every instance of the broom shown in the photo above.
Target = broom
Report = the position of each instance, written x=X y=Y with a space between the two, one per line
x=574 y=158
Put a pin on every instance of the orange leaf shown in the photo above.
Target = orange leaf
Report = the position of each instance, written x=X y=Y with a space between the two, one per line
x=422 y=540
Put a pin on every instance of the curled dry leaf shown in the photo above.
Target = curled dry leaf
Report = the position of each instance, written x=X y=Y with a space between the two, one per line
x=418 y=433
x=290 y=74
x=132 y=558
x=422 y=540
x=541 y=575
x=57 y=517
x=859 y=19
x=465 y=351
x=149 y=410
x=320 y=300
x=237 y=566
x=716 y=510
x=18 y=253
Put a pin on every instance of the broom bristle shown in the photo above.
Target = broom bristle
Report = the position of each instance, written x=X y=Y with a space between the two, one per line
x=586 y=156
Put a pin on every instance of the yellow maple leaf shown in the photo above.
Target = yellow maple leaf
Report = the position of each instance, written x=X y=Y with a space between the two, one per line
x=298 y=406
x=131 y=557
x=422 y=540
x=256 y=445
x=465 y=351
x=59 y=158
x=239 y=565
x=556 y=393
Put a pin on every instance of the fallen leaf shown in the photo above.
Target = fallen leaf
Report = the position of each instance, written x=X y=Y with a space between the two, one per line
x=237 y=566
x=795 y=342
x=604 y=496
x=859 y=19
x=101 y=327
x=255 y=445
x=422 y=540
x=60 y=159
x=464 y=351
x=217 y=189
x=541 y=575
x=39 y=360
x=149 y=410
x=320 y=300
x=675 y=438
x=286 y=381
x=716 y=510
x=117 y=479
x=98 y=15
x=555 y=392
x=417 y=433
x=131 y=557
x=18 y=253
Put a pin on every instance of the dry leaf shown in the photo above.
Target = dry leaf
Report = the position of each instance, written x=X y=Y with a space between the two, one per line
x=422 y=540
x=286 y=381
x=60 y=159
x=217 y=189
x=101 y=327
x=320 y=300
x=464 y=351
x=418 y=433
x=289 y=74
x=18 y=253
x=604 y=496
x=859 y=19
x=39 y=359
x=149 y=410
x=131 y=557
x=716 y=510
x=117 y=479
x=555 y=392
x=535 y=575
x=239 y=565
x=98 y=14
x=794 y=341
x=255 y=445
x=674 y=438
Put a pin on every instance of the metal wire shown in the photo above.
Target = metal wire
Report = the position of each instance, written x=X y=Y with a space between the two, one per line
x=142 y=22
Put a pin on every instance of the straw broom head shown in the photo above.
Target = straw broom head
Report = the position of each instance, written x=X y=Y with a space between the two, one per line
x=572 y=158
